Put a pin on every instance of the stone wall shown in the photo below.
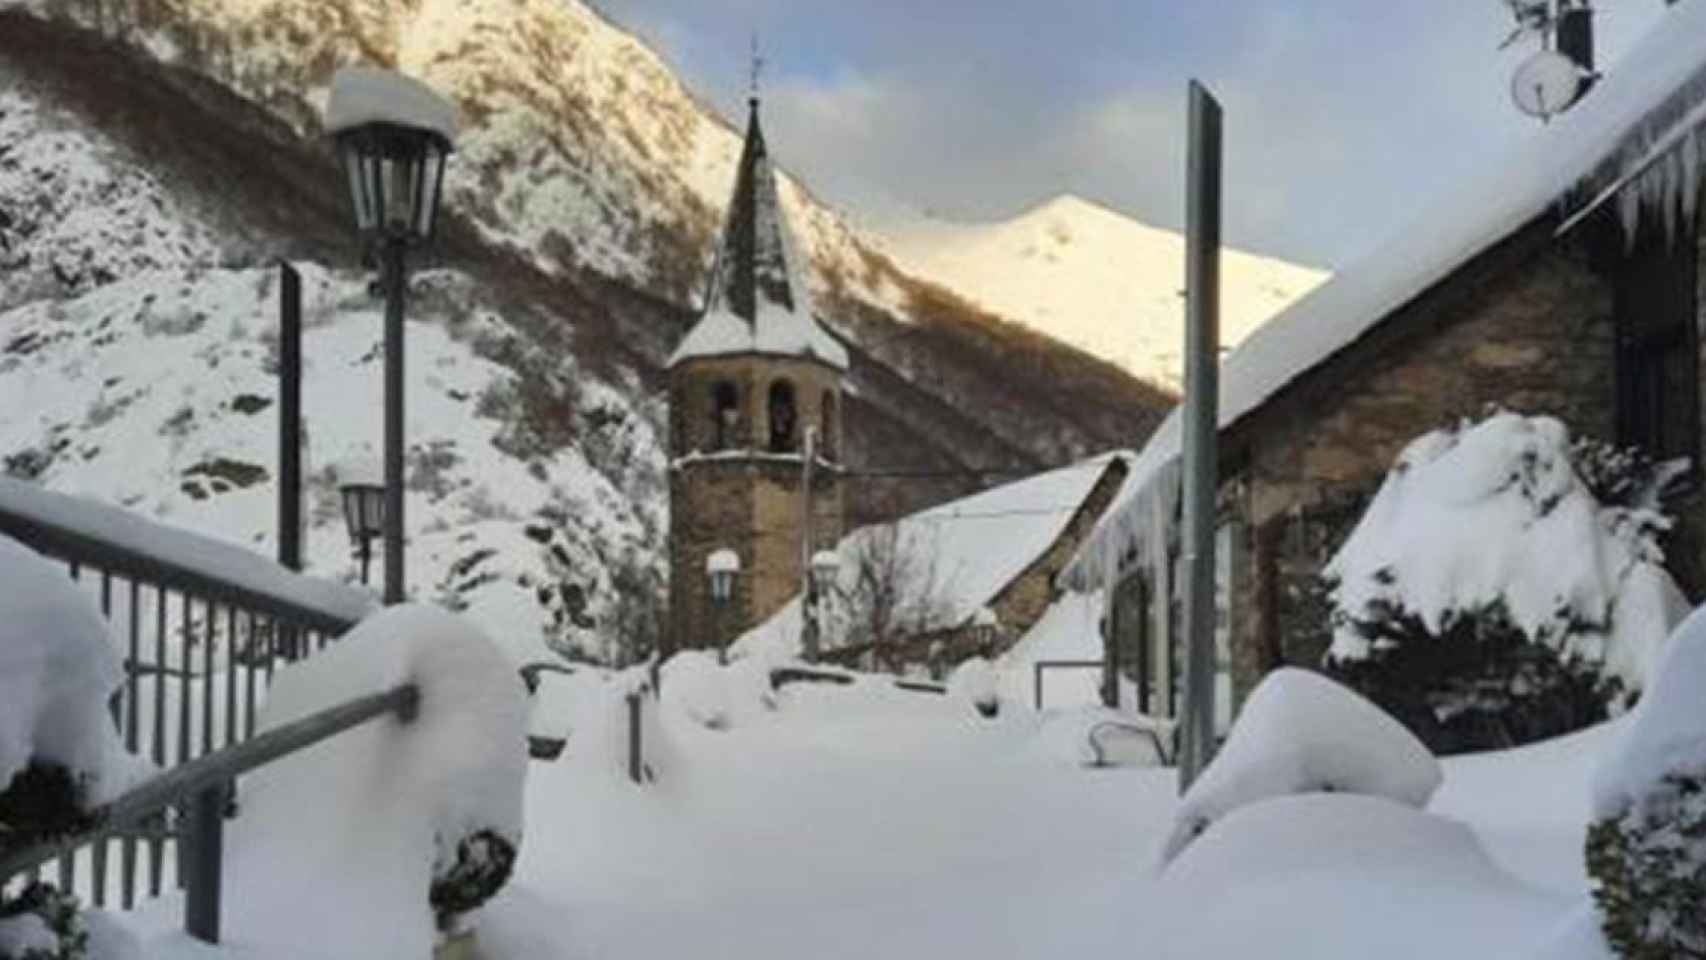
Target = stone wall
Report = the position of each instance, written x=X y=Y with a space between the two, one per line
x=1022 y=602
x=745 y=497
x=1529 y=327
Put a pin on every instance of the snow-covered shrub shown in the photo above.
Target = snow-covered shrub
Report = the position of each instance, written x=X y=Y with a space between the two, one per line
x=484 y=860
x=60 y=753
x=1300 y=732
x=1646 y=847
x=974 y=682
x=1488 y=597
x=416 y=821
x=42 y=923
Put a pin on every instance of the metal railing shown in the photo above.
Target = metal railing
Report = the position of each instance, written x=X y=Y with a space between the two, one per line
x=201 y=790
x=198 y=651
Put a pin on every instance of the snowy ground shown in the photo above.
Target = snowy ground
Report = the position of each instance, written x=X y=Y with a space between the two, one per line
x=865 y=820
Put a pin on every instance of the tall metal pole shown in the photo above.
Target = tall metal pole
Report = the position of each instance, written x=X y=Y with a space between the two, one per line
x=290 y=417
x=1201 y=416
x=289 y=434
x=395 y=292
x=808 y=590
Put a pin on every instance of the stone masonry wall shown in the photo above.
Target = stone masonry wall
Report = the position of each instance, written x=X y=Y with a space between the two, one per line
x=1536 y=338
x=745 y=497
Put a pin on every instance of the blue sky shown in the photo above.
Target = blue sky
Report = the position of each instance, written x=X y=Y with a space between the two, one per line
x=1343 y=117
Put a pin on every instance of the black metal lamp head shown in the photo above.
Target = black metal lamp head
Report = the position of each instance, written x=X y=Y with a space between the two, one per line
x=393 y=136
x=364 y=511
x=395 y=175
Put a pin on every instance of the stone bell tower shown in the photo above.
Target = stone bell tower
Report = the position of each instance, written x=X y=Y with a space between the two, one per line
x=755 y=382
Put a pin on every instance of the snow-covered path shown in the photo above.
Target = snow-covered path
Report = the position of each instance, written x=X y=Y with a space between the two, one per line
x=863 y=821
x=906 y=835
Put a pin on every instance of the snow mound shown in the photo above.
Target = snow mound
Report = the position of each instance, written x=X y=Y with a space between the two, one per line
x=352 y=831
x=1578 y=937
x=1397 y=882
x=975 y=683
x=1668 y=734
x=695 y=686
x=57 y=668
x=1495 y=514
x=1302 y=733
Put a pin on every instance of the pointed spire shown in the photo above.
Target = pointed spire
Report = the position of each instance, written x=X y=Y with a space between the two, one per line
x=755 y=302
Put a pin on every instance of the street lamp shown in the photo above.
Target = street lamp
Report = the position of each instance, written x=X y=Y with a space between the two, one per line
x=820 y=583
x=364 y=514
x=721 y=567
x=984 y=626
x=393 y=136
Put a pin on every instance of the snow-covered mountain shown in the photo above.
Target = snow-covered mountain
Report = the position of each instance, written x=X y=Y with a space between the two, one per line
x=157 y=156
x=1102 y=282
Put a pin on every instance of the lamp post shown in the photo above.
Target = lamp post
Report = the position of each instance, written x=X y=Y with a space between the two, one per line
x=820 y=584
x=984 y=626
x=393 y=136
x=721 y=567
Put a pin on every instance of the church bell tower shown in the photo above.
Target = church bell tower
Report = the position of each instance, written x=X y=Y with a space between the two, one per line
x=753 y=386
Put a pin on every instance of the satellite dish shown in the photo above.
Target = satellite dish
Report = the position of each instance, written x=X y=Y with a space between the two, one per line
x=1546 y=84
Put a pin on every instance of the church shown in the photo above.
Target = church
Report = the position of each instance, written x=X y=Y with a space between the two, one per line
x=755 y=432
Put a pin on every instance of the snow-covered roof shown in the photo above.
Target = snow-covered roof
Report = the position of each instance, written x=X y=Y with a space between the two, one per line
x=1616 y=125
x=362 y=95
x=758 y=302
x=958 y=556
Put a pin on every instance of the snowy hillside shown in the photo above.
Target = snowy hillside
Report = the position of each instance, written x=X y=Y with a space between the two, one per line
x=580 y=148
x=1103 y=283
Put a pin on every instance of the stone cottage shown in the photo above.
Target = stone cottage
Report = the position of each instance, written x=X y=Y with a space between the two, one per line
x=960 y=579
x=1566 y=281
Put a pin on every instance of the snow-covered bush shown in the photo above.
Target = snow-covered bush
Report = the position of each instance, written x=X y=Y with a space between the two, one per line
x=974 y=682
x=417 y=822
x=1488 y=597
x=42 y=923
x=1300 y=732
x=59 y=751
x=1646 y=847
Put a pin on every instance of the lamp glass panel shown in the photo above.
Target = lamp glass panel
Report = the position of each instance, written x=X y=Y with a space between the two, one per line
x=431 y=181
x=356 y=163
x=352 y=511
x=373 y=509
x=399 y=177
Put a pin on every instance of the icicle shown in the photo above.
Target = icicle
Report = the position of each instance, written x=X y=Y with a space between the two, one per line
x=1689 y=157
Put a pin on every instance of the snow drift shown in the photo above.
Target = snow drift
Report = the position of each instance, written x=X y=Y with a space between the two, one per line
x=57 y=669
x=1302 y=733
x=352 y=831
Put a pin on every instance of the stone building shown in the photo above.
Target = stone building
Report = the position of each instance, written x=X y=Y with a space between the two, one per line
x=755 y=399
x=964 y=578
x=1567 y=282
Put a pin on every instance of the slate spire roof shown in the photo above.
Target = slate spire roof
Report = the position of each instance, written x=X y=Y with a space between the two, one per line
x=757 y=301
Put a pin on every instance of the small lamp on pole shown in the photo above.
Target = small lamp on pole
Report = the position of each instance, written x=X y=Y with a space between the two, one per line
x=721 y=568
x=364 y=514
x=393 y=136
x=824 y=567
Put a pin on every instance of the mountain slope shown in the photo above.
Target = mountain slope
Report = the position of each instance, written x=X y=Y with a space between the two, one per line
x=159 y=155
x=1089 y=277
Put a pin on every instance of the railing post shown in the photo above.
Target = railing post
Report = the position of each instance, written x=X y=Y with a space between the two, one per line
x=635 y=766
x=203 y=838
